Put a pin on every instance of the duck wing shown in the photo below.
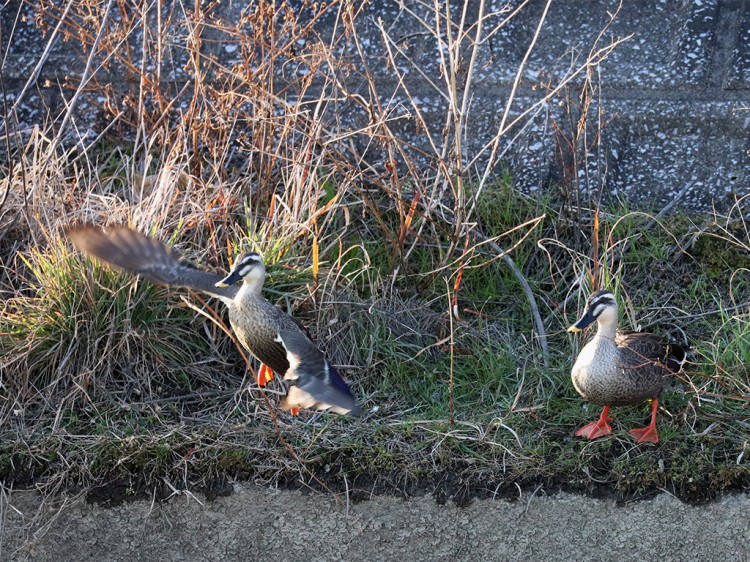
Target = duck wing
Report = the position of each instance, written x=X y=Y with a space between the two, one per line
x=646 y=347
x=315 y=383
x=136 y=253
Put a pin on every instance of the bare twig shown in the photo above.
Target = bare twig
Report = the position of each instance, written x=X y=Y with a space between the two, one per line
x=85 y=76
x=43 y=58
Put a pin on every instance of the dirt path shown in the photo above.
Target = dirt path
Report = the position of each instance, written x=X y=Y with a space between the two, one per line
x=261 y=524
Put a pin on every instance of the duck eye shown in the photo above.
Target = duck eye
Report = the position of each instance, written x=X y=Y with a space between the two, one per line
x=245 y=269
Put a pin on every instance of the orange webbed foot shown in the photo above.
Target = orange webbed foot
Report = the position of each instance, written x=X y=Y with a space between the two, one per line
x=594 y=429
x=294 y=411
x=645 y=434
x=265 y=375
x=598 y=428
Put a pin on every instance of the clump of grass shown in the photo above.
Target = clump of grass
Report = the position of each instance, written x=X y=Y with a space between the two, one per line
x=78 y=325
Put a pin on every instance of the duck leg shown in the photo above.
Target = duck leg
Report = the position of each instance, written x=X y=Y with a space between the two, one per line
x=265 y=375
x=598 y=428
x=648 y=433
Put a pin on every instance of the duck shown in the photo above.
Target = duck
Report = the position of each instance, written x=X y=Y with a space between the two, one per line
x=620 y=368
x=270 y=335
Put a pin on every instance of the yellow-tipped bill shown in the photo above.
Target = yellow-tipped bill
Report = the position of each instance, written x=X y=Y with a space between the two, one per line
x=230 y=279
x=585 y=321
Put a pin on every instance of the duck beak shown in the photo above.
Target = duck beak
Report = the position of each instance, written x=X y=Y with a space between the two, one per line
x=230 y=279
x=584 y=322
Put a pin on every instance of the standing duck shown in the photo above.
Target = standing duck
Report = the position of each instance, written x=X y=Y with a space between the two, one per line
x=270 y=335
x=621 y=368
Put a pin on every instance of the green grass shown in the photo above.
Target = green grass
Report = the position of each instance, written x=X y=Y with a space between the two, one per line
x=78 y=322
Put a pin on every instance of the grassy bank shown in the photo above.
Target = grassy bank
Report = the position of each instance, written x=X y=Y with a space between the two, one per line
x=106 y=378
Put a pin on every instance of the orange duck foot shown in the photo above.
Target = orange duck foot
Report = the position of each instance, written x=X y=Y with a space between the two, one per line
x=598 y=428
x=265 y=375
x=648 y=434
x=294 y=411
x=645 y=434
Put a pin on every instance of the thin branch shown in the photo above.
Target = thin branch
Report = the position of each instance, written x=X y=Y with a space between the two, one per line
x=84 y=77
x=42 y=59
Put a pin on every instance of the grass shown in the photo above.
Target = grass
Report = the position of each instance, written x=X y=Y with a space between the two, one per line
x=107 y=381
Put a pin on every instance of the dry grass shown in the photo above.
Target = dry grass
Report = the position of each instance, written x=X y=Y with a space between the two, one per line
x=397 y=258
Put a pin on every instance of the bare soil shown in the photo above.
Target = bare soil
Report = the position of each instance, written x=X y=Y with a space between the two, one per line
x=265 y=524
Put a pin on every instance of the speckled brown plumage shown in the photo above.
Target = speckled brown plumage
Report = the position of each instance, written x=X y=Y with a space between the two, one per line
x=256 y=323
x=632 y=368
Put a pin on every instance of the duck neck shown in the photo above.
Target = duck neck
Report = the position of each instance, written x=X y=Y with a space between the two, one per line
x=607 y=330
x=252 y=286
